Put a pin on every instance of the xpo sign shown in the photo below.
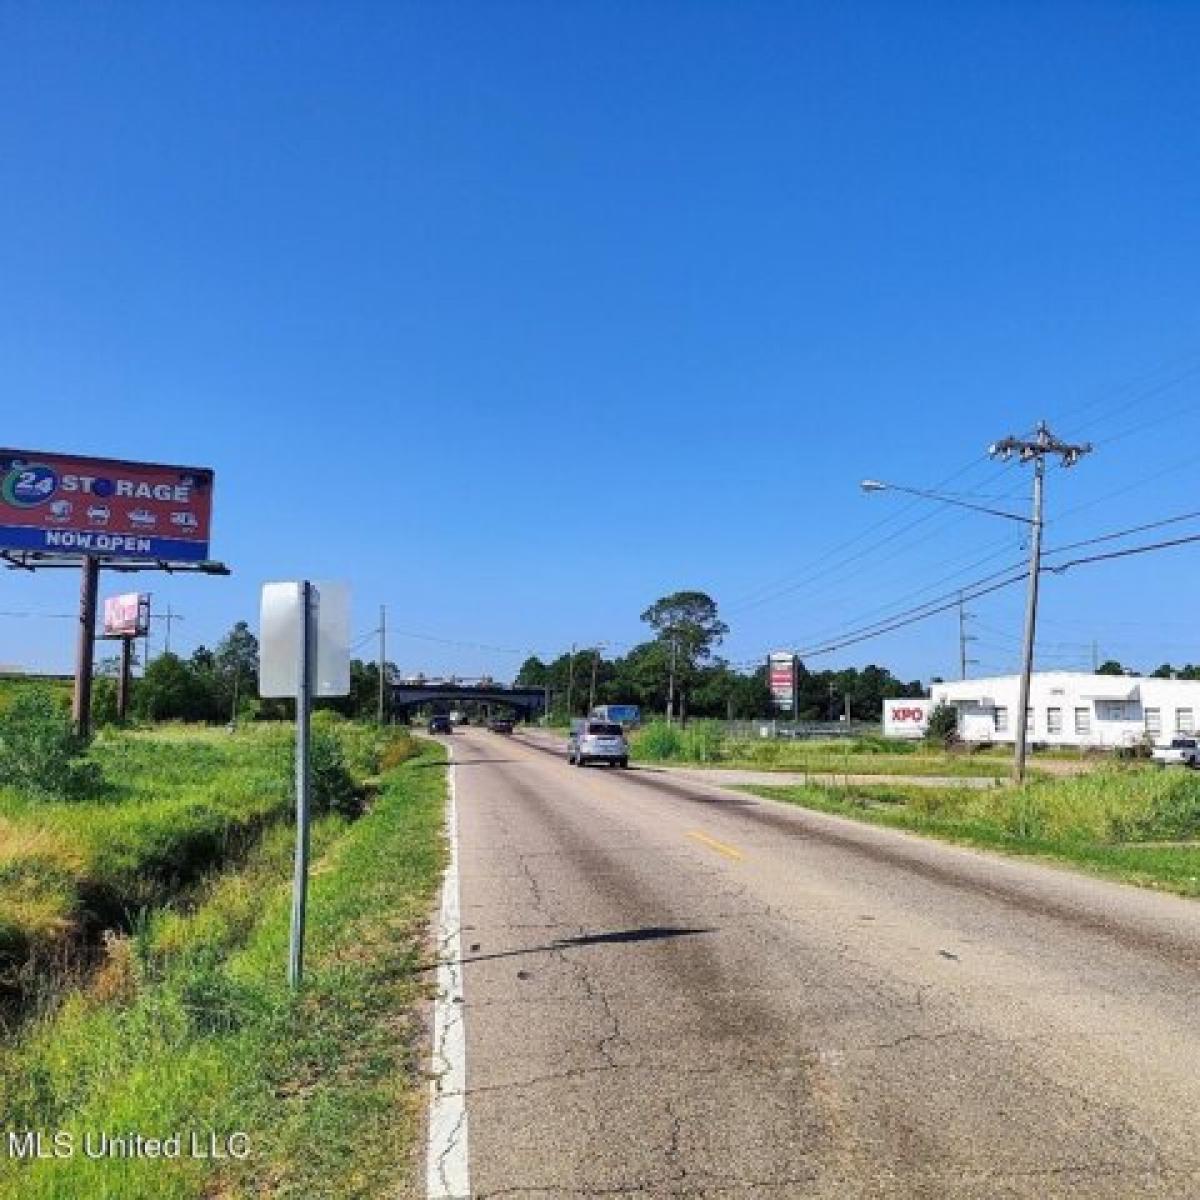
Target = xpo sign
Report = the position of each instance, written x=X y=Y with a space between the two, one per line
x=65 y=504
x=906 y=718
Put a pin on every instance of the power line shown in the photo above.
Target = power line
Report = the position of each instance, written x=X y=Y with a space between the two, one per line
x=932 y=610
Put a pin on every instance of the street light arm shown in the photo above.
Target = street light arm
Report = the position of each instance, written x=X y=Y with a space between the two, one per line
x=875 y=485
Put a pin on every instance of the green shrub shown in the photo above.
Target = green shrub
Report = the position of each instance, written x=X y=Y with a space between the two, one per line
x=703 y=742
x=40 y=751
x=332 y=788
x=660 y=742
x=942 y=729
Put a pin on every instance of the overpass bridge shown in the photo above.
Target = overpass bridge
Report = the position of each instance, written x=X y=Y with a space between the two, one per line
x=443 y=695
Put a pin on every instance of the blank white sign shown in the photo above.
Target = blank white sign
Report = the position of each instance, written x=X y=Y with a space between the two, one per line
x=279 y=639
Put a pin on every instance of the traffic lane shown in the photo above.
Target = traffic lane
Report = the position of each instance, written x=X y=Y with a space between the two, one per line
x=1086 y=962
x=782 y=1044
x=1159 y=926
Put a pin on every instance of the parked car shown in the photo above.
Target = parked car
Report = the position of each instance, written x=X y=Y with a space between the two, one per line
x=500 y=725
x=1180 y=751
x=440 y=723
x=597 y=741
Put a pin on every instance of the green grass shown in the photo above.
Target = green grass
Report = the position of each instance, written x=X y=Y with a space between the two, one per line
x=176 y=804
x=1138 y=826
x=12 y=685
x=190 y=1026
x=703 y=743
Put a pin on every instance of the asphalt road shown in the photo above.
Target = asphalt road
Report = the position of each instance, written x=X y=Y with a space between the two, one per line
x=675 y=990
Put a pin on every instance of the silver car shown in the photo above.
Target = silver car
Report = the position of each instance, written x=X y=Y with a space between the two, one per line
x=597 y=741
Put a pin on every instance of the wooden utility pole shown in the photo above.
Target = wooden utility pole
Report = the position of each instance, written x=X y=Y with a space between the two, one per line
x=382 y=656
x=85 y=646
x=1035 y=450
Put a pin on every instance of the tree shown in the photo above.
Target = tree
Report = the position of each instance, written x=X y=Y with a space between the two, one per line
x=173 y=690
x=1111 y=667
x=688 y=623
x=533 y=673
x=943 y=724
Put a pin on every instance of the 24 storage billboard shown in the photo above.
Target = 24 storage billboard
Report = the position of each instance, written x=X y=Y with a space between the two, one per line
x=66 y=504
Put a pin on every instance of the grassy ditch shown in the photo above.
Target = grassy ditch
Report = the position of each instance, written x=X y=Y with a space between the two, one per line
x=175 y=804
x=189 y=1028
x=704 y=743
x=1136 y=825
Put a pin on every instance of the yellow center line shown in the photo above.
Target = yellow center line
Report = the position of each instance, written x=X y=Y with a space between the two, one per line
x=713 y=844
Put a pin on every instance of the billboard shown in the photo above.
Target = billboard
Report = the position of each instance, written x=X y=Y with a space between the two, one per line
x=66 y=504
x=906 y=718
x=781 y=679
x=127 y=615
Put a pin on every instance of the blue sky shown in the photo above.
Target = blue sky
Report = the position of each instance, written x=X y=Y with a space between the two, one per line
x=517 y=316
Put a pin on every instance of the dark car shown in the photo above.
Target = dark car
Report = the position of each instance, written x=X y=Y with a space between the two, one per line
x=500 y=725
x=440 y=724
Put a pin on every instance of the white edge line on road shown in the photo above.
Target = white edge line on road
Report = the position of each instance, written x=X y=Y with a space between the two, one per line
x=447 y=1169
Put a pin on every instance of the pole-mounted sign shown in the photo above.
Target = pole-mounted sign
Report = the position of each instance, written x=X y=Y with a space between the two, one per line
x=304 y=652
x=782 y=668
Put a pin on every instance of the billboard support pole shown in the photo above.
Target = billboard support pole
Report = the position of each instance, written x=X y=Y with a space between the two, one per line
x=304 y=680
x=123 y=678
x=85 y=647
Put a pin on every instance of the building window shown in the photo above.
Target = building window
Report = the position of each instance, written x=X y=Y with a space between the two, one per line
x=1054 y=720
x=1185 y=721
x=1111 y=710
x=1001 y=720
x=1083 y=721
x=1154 y=720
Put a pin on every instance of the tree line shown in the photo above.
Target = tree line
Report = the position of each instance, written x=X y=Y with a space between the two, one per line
x=220 y=685
x=678 y=667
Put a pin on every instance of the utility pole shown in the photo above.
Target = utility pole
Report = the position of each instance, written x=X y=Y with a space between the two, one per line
x=85 y=646
x=570 y=680
x=1095 y=656
x=1034 y=450
x=595 y=667
x=169 y=618
x=963 y=637
x=671 y=681
x=382 y=655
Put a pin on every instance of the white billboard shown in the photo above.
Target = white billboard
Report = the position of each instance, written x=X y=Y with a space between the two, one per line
x=906 y=718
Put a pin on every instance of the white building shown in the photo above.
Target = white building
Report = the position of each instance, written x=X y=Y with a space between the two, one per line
x=1068 y=708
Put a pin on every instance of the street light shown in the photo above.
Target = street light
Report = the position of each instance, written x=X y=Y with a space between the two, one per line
x=1035 y=566
x=876 y=485
x=1035 y=450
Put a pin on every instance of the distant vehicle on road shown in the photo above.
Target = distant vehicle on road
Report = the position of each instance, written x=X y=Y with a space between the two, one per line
x=459 y=718
x=1179 y=752
x=597 y=741
x=500 y=725
x=440 y=723
x=629 y=715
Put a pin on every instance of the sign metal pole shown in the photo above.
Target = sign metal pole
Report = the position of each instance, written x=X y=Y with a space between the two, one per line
x=303 y=714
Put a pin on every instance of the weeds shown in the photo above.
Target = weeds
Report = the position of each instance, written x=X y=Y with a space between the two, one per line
x=1139 y=825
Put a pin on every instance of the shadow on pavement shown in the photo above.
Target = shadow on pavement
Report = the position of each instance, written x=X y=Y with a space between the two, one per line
x=621 y=937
